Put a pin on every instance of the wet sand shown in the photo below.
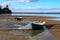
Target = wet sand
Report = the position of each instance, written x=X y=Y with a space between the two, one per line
x=4 y=35
x=55 y=29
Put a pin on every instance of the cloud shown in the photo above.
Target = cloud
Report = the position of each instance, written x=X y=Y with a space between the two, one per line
x=23 y=1
x=4 y=4
x=28 y=0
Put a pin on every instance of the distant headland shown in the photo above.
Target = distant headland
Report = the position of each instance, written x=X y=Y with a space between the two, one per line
x=5 y=10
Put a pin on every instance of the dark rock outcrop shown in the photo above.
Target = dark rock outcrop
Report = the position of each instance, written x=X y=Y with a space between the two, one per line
x=1 y=11
x=5 y=10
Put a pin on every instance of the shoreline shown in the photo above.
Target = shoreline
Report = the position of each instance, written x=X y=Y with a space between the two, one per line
x=53 y=29
x=33 y=18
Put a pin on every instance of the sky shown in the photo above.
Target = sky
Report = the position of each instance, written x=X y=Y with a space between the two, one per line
x=18 y=5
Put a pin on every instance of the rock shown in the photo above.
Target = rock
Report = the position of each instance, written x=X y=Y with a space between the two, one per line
x=5 y=10
x=1 y=11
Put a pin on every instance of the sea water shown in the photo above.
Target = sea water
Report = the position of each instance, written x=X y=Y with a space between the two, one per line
x=47 y=15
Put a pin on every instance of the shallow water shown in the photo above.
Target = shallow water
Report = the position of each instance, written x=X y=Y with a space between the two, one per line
x=25 y=14
x=48 y=15
x=46 y=35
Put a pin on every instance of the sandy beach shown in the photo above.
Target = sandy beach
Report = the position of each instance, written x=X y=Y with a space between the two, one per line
x=54 y=26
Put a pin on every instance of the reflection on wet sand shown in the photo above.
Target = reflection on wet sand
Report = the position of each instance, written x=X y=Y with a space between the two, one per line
x=11 y=22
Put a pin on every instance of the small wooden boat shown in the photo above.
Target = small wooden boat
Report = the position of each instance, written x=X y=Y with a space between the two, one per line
x=18 y=18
